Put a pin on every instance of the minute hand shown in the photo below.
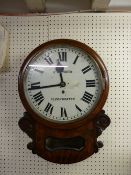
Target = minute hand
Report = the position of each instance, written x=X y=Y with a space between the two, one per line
x=42 y=87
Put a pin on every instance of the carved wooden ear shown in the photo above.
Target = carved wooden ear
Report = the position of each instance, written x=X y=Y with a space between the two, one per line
x=26 y=124
x=102 y=121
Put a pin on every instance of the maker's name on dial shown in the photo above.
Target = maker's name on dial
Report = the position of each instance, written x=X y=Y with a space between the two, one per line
x=62 y=99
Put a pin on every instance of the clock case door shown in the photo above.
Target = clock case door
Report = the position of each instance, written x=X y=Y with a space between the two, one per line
x=65 y=142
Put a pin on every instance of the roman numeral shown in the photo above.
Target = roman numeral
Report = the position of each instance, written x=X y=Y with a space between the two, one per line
x=87 y=97
x=86 y=69
x=90 y=83
x=63 y=112
x=62 y=56
x=38 y=97
x=78 y=108
x=49 y=108
x=34 y=86
x=76 y=59
x=49 y=60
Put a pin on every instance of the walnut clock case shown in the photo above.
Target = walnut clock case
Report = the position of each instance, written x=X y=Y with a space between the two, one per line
x=63 y=85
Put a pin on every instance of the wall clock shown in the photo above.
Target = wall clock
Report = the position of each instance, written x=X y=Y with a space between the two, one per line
x=63 y=85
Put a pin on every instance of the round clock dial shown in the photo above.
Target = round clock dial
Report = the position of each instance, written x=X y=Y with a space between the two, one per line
x=62 y=82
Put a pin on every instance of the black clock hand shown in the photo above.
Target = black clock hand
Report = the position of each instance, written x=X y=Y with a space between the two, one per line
x=61 y=77
x=42 y=87
x=63 y=84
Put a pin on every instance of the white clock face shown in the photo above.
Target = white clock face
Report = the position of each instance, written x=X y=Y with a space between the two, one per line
x=62 y=83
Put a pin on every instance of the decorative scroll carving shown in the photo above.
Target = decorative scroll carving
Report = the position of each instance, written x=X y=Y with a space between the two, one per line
x=101 y=122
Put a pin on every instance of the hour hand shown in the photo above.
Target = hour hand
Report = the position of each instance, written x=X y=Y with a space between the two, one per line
x=61 y=78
